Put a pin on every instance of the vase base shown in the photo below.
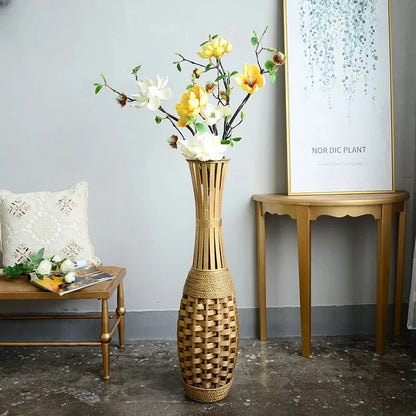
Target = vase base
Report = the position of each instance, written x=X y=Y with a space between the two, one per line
x=207 y=395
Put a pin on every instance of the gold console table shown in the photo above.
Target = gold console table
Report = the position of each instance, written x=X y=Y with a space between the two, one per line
x=20 y=289
x=304 y=209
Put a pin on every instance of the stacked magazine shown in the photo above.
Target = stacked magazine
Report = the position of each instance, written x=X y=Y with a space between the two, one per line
x=83 y=278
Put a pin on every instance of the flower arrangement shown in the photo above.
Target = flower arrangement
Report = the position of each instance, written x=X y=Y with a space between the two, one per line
x=210 y=125
x=42 y=267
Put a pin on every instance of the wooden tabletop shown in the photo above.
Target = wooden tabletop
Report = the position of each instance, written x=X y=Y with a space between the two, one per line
x=21 y=289
x=334 y=200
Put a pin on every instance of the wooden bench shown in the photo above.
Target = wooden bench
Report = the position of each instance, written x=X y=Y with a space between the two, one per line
x=20 y=289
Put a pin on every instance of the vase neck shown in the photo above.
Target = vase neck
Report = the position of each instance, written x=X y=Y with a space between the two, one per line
x=208 y=184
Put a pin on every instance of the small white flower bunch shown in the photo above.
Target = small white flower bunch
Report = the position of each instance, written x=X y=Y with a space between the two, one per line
x=57 y=265
x=42 y=266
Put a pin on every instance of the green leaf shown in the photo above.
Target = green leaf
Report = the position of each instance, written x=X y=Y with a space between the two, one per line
x=225 y=141
x=254 y=40
x=233 y=73
x=38 y=257
x=158 y=119
x=178 y=67
x=271 y=49
x=13 y=272
x=273 y=78
x=189 y=86
x=269 y=65
x=136 y=69
x=201 y=127
x=236 y=139
x=220 y=78
x=98 y=87
x=204 y=43
x=208 y=67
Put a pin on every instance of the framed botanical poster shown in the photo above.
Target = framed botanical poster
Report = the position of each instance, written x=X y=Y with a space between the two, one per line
x=339 y=99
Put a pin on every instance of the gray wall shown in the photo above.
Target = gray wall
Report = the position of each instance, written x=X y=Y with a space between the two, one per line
x=54 y=131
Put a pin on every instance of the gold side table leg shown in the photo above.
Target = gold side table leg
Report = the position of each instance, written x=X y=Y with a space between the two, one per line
x=304 y=260
x=399 y=271
x=383 y=272
x=261 y=270
x=121 y=311
x=105 y=338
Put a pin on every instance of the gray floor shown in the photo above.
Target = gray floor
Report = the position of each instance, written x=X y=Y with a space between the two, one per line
x=343 y=377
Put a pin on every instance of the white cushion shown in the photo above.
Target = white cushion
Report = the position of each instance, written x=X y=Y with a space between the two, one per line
x=2 y=192
x=55 y=221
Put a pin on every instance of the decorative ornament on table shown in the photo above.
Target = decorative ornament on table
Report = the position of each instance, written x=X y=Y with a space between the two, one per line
x=40 y=266
x=207 y=329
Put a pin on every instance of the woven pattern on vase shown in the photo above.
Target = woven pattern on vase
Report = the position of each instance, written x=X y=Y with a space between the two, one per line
x=207 y=344
x=207 y=330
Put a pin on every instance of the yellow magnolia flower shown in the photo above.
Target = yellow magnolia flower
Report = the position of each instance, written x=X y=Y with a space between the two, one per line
x=215 y=48
x=251 y=79
x=191 y=103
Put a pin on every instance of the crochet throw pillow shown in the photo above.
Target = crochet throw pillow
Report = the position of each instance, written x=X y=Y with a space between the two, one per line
x=55 y=221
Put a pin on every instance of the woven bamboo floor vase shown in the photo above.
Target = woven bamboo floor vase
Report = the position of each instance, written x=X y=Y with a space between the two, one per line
x=207 y=330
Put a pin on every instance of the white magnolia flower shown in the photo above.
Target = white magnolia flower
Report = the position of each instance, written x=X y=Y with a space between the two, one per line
x=151 y=92
x=44 y=268
x=203 y=146
x=225 y=110
x=213 y=114
x=67 y=266
x=70 y=277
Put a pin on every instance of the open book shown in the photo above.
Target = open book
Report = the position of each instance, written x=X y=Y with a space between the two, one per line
x=83 y=278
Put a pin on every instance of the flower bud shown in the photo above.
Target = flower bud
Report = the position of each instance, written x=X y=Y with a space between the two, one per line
x=173 y=141
x=197 y=73
x=210 y=87
x=70 y=277
x=224 y=95
x=122 y=99
x=279 y=58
